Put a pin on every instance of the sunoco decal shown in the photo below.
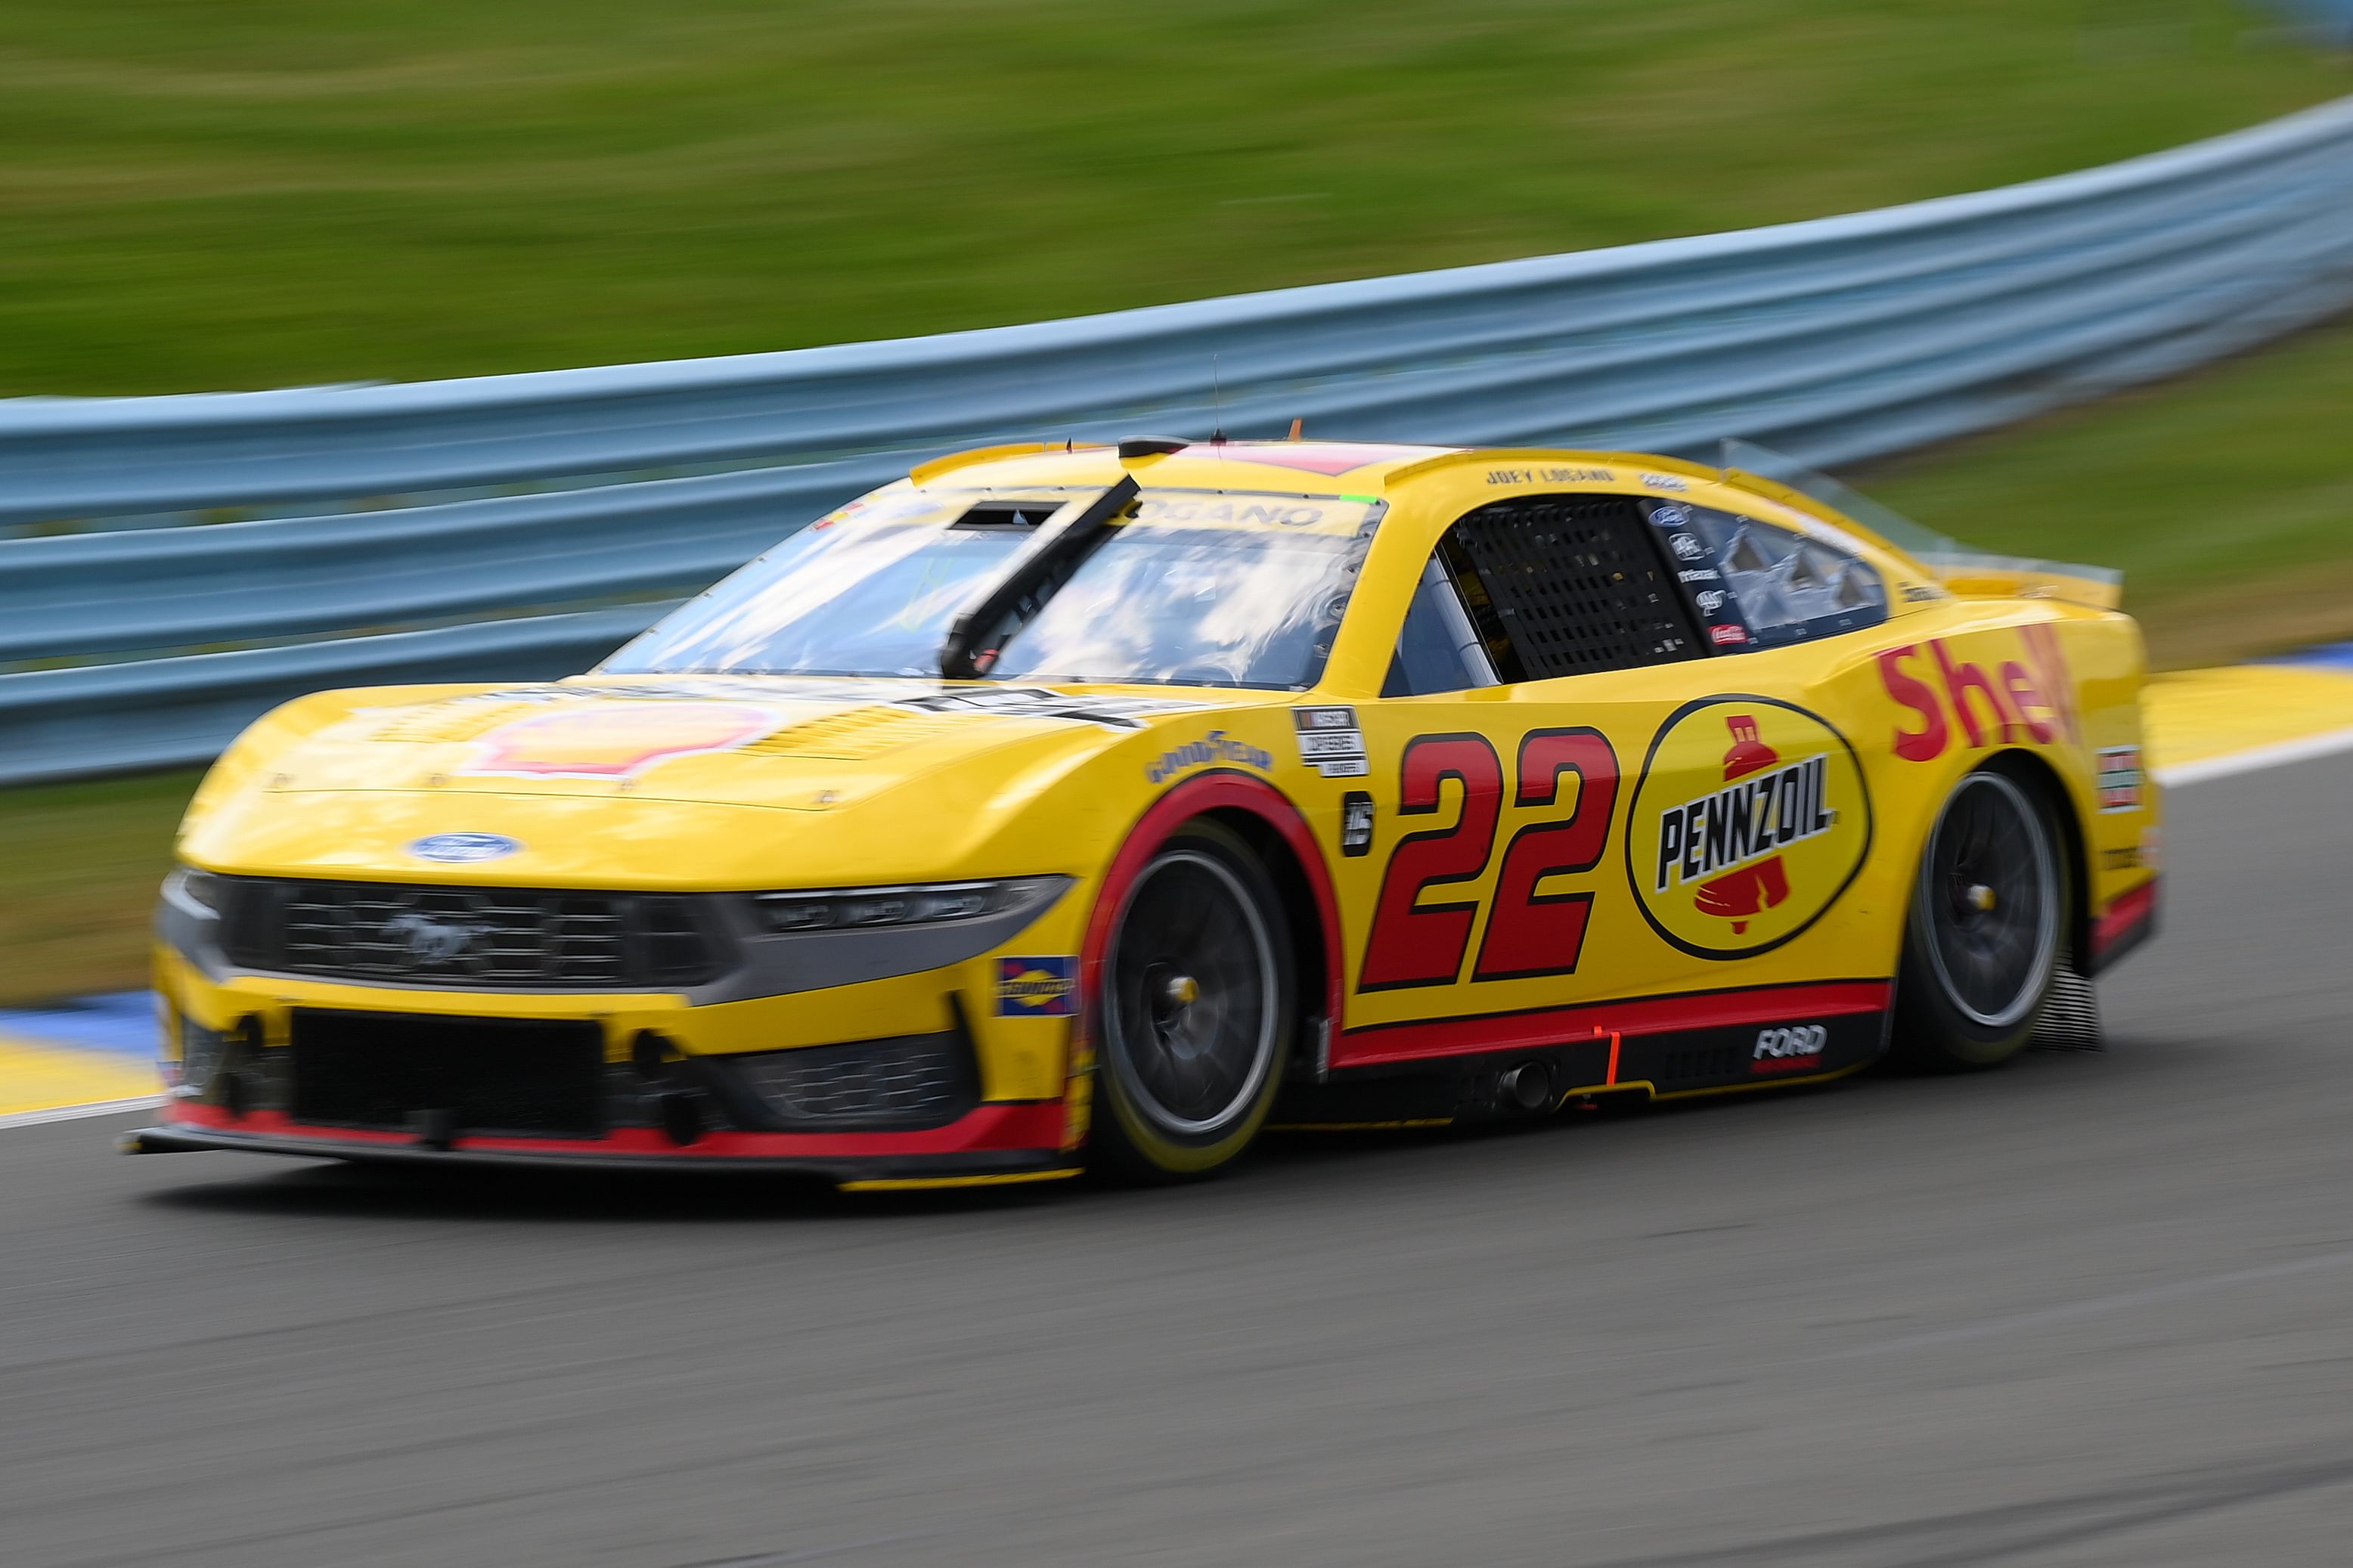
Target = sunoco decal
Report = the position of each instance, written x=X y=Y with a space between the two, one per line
x=1215 y=747
x=1037 y=987
x=1750 y=819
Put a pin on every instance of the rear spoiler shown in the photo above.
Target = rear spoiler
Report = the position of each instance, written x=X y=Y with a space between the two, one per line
x=1973 y=576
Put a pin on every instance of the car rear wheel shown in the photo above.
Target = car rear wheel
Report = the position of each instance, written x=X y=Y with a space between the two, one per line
x=1196 y=1009
x=1983 y=938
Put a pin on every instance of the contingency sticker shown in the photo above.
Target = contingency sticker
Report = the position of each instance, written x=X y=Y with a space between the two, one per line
x=1330 y=741
x=2119 y=769
x=1748 y=822
x=1037 y=987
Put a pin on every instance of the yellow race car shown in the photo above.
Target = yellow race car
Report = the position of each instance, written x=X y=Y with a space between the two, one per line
x=1059 y=806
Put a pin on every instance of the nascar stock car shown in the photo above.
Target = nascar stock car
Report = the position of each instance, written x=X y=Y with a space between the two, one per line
x=1067 y=805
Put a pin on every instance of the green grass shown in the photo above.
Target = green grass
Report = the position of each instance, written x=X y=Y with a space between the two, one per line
x=211 y=193
x=78 y=866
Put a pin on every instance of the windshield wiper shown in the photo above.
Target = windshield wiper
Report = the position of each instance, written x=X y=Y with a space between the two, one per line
x=1047 y=562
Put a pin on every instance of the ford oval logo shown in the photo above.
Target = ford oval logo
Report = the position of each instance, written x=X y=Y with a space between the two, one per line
x=464 y=848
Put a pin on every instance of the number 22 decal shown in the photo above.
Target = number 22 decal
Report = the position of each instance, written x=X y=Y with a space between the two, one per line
x=1529 y=933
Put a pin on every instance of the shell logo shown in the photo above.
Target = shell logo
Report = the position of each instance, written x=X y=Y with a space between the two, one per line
x=1750 y=820
x=617 y=739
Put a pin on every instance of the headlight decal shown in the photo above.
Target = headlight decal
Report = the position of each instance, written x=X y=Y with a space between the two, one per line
x=812 y=940
x=860 y=908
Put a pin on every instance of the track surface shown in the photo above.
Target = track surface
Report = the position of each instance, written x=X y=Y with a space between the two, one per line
x=2089 y=1310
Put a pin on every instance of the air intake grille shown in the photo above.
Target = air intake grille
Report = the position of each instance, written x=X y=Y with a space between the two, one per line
x=487 y=938
x=913 y=1081
x=1575 y=584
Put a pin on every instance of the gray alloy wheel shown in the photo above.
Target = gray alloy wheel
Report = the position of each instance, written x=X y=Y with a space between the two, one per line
x=1983 y=940
x=1196 y=1010
x=1192 y=995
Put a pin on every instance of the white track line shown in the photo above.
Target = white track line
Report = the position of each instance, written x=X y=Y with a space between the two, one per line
x=2327 y=744
x=75 y=1112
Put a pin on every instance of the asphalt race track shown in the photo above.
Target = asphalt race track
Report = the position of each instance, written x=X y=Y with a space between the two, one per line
x=2092 y=1309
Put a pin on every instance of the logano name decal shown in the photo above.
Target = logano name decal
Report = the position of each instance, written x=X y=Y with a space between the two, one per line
x=2012 y=700
x=1212 y=750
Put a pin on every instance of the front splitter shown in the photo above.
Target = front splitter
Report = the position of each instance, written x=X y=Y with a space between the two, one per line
x=864 y=1174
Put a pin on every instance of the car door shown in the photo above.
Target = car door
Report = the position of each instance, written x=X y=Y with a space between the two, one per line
x=1580 y=807
x=1533 y=655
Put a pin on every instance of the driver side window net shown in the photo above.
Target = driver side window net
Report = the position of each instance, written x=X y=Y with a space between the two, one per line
x=1567 y=585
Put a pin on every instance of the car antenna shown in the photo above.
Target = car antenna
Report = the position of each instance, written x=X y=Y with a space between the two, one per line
x=1217 y=403
x=1297 y=425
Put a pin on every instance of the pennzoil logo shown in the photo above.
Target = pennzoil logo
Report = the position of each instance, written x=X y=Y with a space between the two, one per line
x=1037 y=987
x=1750 y=819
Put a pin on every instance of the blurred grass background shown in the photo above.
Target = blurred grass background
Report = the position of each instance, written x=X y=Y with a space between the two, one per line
x=2226 y=497
x=215 y=193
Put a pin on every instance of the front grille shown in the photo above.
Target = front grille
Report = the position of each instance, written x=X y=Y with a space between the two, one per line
x=910 y=1080
x=524 y=1078
x=472 y=937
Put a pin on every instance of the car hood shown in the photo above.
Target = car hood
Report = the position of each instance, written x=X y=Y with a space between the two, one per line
x=683 y=782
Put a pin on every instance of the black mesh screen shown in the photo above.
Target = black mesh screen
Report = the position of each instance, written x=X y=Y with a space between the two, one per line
x=1573 y=583
x=488 y=1075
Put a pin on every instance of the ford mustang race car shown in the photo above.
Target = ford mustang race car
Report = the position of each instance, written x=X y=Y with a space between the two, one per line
x=1067 y=806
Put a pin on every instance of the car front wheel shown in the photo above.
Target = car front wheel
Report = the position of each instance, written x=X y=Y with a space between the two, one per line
x=1196 y=1012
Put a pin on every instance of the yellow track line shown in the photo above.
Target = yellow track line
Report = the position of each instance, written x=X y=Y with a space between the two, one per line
x=2197 y=719
x=35 y=1077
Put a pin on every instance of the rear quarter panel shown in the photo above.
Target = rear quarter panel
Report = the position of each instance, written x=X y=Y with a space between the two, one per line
x=1966 y=679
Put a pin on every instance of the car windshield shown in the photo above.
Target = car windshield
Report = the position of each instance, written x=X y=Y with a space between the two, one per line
x=1208 y=590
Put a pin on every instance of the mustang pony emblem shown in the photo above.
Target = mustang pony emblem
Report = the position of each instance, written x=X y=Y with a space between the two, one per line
x=430 y=939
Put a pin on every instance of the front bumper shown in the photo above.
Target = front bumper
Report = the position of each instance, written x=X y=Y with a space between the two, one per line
x=292 y=1065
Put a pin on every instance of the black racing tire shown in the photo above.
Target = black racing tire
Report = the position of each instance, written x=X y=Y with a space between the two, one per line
x=1986 y=930
x=1197 y=1012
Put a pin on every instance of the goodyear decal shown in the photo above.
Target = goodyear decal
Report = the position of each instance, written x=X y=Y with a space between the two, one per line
x=616 y=740
x=1750 y=819
x=1037 y=987
x=1215 y=747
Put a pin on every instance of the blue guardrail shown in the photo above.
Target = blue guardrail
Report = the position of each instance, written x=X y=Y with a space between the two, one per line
x=518 y=527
